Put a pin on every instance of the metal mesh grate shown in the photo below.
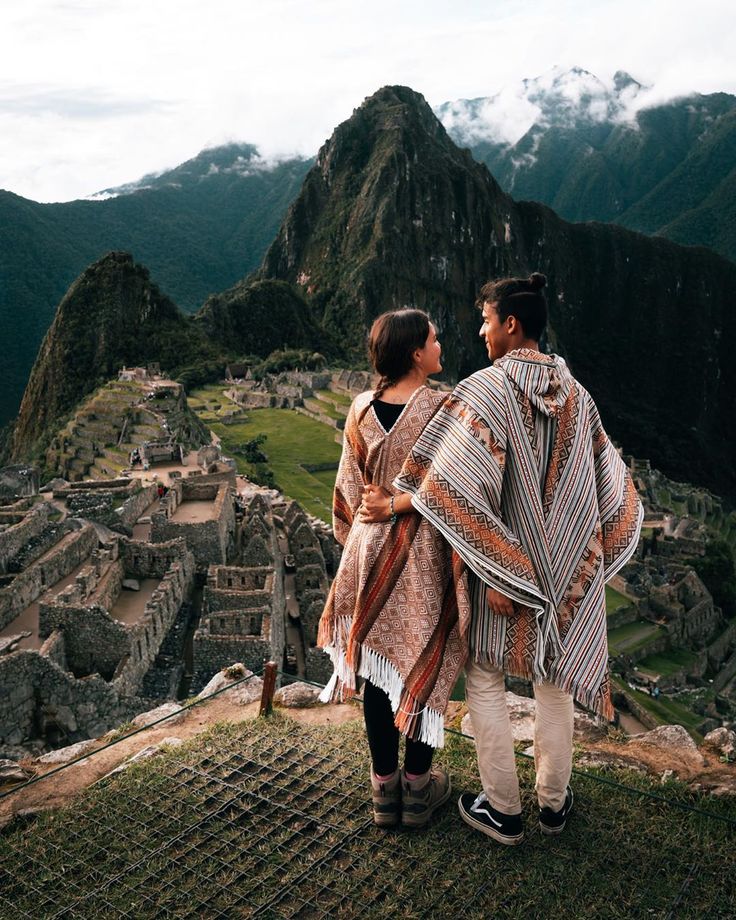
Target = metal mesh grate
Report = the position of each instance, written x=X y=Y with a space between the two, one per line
x=269 y=819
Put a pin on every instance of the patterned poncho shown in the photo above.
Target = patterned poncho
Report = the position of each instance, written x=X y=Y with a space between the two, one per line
x=398 y=607
x=516 y=471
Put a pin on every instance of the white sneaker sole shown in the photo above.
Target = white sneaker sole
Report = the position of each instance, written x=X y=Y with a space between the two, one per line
x=506 y=839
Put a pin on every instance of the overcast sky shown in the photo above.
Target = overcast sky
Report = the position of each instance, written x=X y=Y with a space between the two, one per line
x=94 y=93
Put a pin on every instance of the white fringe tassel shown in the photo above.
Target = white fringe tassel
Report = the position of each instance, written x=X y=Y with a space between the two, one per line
x=383 y=674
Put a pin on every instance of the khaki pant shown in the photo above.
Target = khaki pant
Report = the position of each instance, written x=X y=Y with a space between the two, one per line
x=553 y=726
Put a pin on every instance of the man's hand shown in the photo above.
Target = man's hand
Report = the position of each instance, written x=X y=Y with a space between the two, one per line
x=499 y=603
x=375 y=505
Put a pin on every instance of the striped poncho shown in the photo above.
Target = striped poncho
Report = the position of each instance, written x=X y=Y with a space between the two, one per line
x=516 y=471
x=398 y=607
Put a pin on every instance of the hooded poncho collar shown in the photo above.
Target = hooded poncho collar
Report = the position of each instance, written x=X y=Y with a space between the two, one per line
x=544 y=379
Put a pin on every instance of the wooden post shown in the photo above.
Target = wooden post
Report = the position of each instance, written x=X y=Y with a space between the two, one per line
x=269 y=685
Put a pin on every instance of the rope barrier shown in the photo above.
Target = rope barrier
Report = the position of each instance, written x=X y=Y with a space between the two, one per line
x=292 y=678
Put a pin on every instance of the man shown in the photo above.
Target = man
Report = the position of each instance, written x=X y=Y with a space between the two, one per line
x=516 y=471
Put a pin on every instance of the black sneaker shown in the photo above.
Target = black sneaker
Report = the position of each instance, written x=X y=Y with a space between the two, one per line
x=478 y=812
x=553 y=822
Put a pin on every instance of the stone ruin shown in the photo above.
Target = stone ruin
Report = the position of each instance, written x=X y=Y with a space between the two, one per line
x=665 y=590
x=85 y=671
x=286 y=390
x=202 y=512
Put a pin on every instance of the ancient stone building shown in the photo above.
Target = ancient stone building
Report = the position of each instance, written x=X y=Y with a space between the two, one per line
x=98 y=636
x=242 y=620
x=311 y=586
x=202 y=512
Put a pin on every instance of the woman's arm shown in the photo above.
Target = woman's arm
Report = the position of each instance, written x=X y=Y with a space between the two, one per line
x=349 y=486
x=375 y=506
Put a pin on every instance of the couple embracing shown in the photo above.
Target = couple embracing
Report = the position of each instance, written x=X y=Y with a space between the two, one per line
x=479 y=528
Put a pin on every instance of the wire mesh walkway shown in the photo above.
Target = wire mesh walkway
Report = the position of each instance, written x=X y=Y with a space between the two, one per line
x=268 y=818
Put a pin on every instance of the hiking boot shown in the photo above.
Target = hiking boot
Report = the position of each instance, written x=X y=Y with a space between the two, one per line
x=478 y=812
x=422 y=796
x=553 y=822
x=386 y=800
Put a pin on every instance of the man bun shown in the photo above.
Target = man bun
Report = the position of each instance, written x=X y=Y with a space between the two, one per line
x=537 y=281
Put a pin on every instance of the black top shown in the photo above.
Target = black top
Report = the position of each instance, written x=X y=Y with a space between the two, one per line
x=388 y=413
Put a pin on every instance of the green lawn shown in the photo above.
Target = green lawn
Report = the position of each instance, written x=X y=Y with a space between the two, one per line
x=292 y=440
x=632 y=637
x=615 y=600
x=668 y=712
x=339 y=399
x=666 y=663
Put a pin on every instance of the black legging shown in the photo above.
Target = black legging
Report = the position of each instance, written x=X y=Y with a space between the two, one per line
x=383 y=736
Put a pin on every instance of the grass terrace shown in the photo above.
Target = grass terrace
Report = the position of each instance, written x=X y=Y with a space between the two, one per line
x=615 y=600
x=633 y=636
x=667 y=663
x=294 y=443
x=339 y=399
x=271 y=819
x=667 y=711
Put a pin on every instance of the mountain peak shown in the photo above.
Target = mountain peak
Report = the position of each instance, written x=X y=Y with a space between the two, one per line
x=234 y=158
x=111 y=315
x=560 y=97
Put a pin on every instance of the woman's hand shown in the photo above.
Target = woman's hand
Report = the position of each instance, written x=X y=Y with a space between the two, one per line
x=375 y=506
x=498 y=603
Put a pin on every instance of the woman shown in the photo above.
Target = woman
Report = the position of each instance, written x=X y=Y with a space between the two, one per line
x=397 y=609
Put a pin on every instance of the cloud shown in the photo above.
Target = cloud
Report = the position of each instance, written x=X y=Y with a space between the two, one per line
x=96 y=94
x=82 y=103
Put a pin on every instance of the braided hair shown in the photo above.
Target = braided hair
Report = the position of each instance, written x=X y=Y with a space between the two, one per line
x=520 y=297
x=392 y=341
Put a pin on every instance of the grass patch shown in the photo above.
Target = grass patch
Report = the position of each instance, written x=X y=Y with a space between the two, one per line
x=668 y=712
x=271 y=818
x=292 y=440
x=666 y=663
x=325 y=408
x=615 y=600
x=633 y=636
x=339 y=399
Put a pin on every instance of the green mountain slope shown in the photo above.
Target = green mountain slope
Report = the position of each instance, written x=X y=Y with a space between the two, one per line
x=199 y=229
x=650 y=171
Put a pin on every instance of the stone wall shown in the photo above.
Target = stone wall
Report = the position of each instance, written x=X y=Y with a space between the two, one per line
x=722 y=646
x=94 y=642
x=18 y=480
x=30 y=584
x=213 y=653
x=211 y=541
x=40 y=700
x=134 y=506
x=159 y=615
x=38 y=545
x=725 y=674
x=318 y=665
x=18 y=534
x=149 y=560
x=623 y=616
x=355 y=381
x=54 y=648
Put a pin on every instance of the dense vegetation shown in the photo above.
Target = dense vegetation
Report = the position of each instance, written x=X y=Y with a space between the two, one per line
x=394 y=213
x=670 y=171
x=198 y=229
x=114 y=315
